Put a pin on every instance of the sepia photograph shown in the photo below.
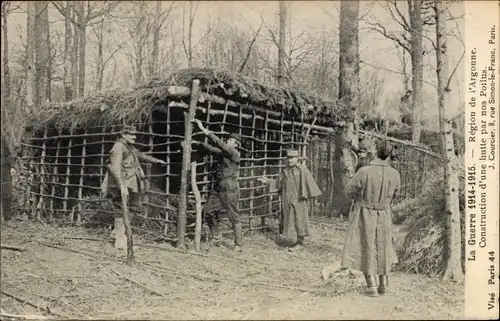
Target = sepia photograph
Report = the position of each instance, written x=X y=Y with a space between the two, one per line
x=249 y=160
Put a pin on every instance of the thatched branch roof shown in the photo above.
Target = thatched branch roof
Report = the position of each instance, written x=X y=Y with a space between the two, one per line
x=111 y=107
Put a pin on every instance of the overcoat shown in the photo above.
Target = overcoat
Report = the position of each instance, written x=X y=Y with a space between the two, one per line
x=296 y=186
x=368 y=245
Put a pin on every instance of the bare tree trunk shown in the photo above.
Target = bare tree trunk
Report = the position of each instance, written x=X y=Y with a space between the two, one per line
x=190 y=35
x=417 y=66
x=282 y=42
x=30 y=54
x=50 y=58
x=453 y=244
x=5 y=69
x=68 y=33
x=42 y=52
x=348 y=96
x=153 y=63
x=74 y=51
x=100 y=58
x=81 y=47
x=138 y=65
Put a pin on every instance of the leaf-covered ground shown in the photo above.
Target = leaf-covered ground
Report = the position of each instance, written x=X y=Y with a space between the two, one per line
x=76 y=273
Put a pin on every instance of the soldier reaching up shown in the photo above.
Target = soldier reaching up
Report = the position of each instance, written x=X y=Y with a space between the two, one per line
x=225 y=196
x=126 y=179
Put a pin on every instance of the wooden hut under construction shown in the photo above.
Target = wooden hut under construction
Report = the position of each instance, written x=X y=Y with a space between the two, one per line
x=67 y=144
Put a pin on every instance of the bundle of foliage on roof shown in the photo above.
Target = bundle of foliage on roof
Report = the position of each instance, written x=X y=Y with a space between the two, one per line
x=114 y=106
x=250 y=90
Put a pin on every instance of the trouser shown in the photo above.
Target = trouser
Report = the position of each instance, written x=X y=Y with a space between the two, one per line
x=226 y=198
x=134 y=207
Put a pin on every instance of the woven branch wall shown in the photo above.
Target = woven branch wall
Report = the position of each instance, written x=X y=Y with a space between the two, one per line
x=65 y=167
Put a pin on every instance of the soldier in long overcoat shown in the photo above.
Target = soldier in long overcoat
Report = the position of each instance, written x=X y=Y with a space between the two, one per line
x=368 y=245
x=296 y=187
x=125 y=178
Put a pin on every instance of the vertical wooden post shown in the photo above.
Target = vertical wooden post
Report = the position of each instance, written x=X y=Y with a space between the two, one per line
x=42 y=175
x=82 y=175
x=281 y=168
x=186 y=158
x=197 y=196
x=55 y=178
x=102 y=159
x=330 y=180
x=68 y=173
x=148 y=168
x=29 y=186
x=252 y=168
x=266 y=172
x=209 y=158
x=240 y=125
x=167 y=177
x=224 y=117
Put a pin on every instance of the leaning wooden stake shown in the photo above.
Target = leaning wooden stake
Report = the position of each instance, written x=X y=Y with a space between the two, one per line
x=304 y=148
x=186 y=159
x=128 y=233
x=197 y=196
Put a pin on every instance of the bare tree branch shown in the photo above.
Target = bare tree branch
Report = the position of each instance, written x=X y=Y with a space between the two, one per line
x=398 y=16
x=249 y=51
x=383 y=31
x=394 y=72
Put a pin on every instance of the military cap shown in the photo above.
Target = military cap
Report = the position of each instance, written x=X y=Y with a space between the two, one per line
x=127 y=129
x=292 y=153
x=235 y=137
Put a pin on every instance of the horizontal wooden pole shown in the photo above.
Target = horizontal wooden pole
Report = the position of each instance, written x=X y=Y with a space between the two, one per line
x=321 y=129
x=419 y=147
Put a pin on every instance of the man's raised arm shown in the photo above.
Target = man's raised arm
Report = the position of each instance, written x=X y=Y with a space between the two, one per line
x=210 y=148
x=146 y=158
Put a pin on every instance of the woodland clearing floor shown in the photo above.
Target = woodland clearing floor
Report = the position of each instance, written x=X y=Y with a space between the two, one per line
x=87 y=279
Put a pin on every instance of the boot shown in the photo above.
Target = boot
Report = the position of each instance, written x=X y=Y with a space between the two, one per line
x=216 y=235
x=120 y=237
x=371 y=285
x=383 y=284
x=238 y=236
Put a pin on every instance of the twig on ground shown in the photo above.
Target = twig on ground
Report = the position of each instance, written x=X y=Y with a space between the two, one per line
x=196 y=276
x=78 y=252
x=34 y=305
x=87 y=239
x=23 y=317
x=279 y=286
x=136 y=283
x=11 y=247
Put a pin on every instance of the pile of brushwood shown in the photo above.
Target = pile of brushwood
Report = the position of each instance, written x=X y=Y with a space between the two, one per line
x=424 y=221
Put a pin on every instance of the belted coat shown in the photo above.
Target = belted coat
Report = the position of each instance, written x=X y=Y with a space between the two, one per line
x=368 y=245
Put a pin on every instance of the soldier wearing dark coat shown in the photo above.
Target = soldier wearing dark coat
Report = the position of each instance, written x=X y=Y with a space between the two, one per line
x=225 y=197
x=368 y=246
x=125 y=179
